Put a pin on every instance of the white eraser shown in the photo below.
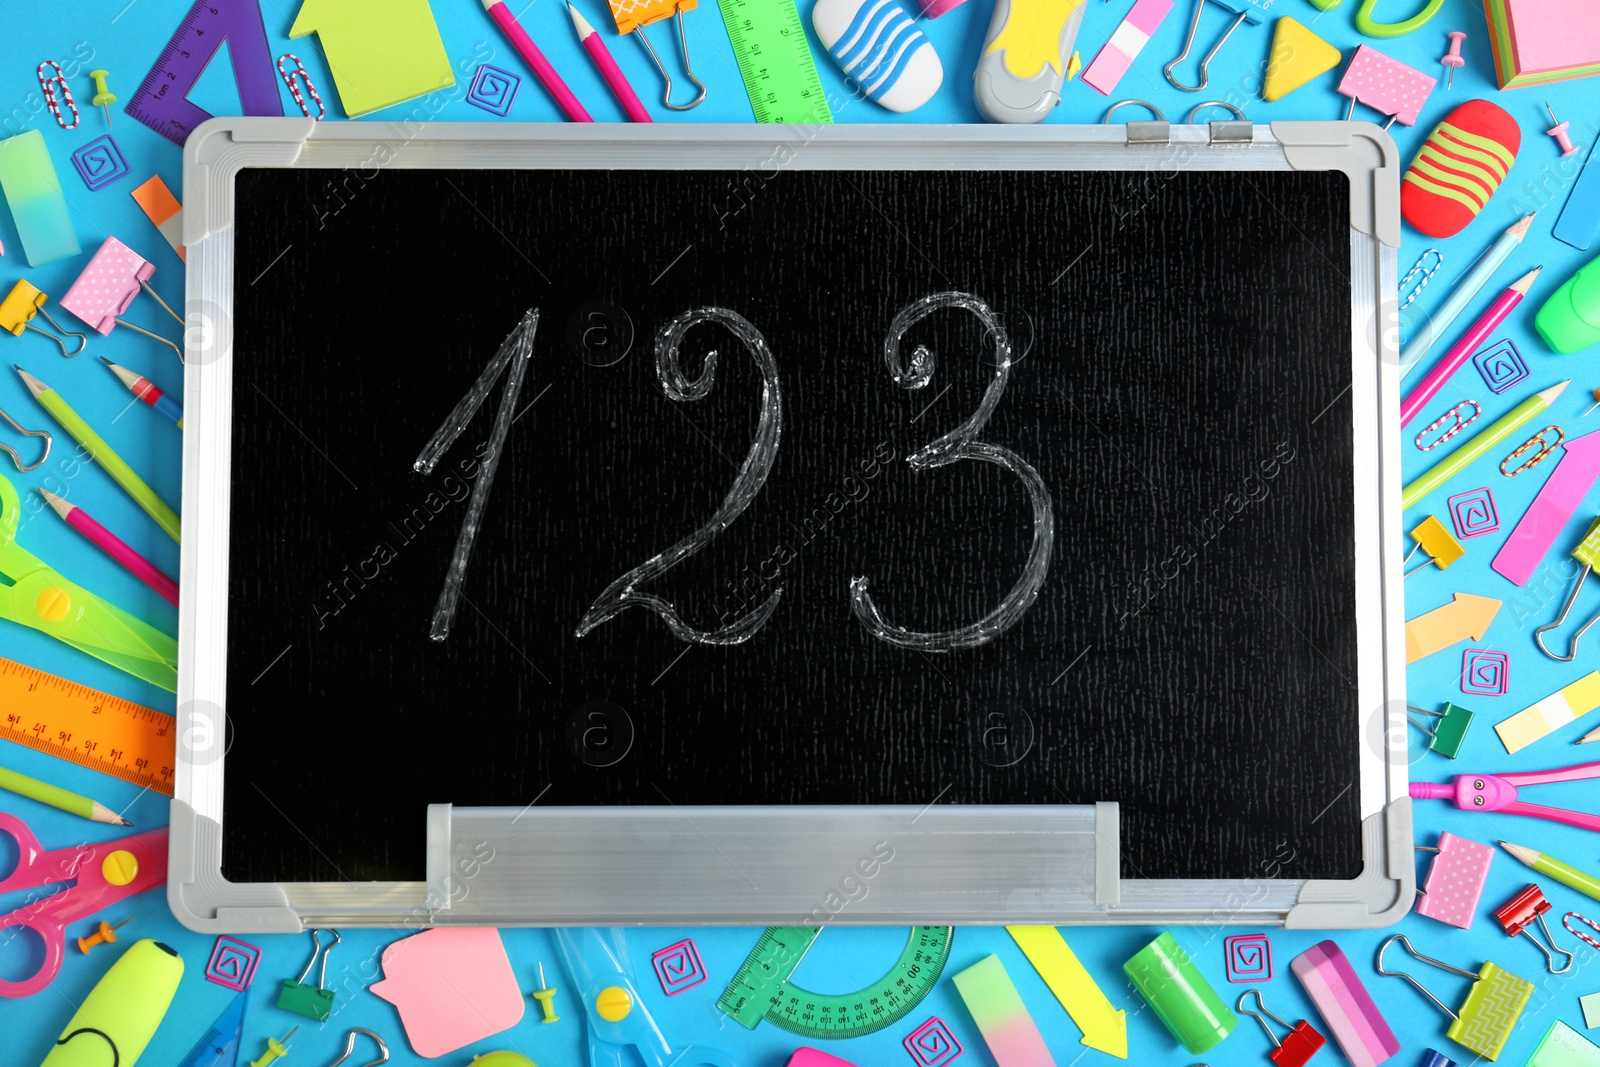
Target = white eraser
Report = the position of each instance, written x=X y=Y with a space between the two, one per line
x=878 y=46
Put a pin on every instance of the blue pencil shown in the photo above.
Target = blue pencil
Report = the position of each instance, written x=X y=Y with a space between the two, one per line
x=145 y=390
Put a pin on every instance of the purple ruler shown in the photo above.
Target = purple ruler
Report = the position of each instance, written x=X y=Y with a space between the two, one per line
x=161 y=101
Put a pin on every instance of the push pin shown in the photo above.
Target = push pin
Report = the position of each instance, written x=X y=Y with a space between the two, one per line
x=106 y=935
x=1518 y=913
x=1596 y=394
x=1297 y=1046
x=546 y=996
x=275 y=1049
x=1564 y=139
x=1453 y=59
x=103 y=97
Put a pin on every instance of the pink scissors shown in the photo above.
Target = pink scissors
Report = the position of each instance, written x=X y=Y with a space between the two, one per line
x=1498 y=792
x=101 y=874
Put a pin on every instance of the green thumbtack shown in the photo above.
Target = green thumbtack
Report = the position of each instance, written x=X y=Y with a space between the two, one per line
x=103 y=97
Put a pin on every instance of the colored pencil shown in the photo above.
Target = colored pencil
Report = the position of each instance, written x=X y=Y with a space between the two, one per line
x=603 y=61
x=1475 y=446
x=1463 y=349
x=541 y=66
x=1434 y=328
x=1592 y=735
x=56 y=797
x=1564 y=873
x=113 y=546
x=103 y=454
x=146 y=390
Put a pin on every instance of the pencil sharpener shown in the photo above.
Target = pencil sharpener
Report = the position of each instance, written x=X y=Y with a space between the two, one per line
x=306 y=1000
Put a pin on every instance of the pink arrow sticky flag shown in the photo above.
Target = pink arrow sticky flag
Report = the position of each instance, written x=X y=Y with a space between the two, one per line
x=1551 y=510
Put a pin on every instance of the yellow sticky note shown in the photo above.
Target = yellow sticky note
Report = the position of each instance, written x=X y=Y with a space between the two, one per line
x=1550 y=714
x=381 y=52
x=1104 y=1028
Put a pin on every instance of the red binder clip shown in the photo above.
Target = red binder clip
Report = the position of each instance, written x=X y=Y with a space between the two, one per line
x=1297 y=1046
x=1519 y=912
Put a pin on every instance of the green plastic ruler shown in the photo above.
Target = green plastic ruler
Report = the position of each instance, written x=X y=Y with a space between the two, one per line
x=762 y=990
x=769 y=41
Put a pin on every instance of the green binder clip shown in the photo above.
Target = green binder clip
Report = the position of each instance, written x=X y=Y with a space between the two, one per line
x=1446 y=736
x=314 y=1002
x=1372 y=28
x=1491 y=1010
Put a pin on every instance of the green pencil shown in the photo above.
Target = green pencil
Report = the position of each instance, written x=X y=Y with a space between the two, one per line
x=56 y=797
x=1564 y=873
x=102 y=454
x=1479 y=443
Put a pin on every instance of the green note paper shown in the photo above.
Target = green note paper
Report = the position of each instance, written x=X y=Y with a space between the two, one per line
x=1565 y=1047
x=28 y=179
x=381 y=52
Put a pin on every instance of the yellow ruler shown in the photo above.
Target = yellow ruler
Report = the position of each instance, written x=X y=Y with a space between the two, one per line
x=72 y=721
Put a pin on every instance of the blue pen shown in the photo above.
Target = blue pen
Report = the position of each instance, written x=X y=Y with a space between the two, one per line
x=1434 y=327
x=146 y=390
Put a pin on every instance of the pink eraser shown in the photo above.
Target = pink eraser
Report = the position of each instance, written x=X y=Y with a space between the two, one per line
x=1345 y=1005
x=1455 y=881
x=810 y=1057
x=934 y=8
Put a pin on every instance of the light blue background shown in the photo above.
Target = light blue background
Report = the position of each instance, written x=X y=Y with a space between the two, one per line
x=126 y=39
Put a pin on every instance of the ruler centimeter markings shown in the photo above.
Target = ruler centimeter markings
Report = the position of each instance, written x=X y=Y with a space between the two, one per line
x=161 y=101
x=780 y=76
x=94 y=730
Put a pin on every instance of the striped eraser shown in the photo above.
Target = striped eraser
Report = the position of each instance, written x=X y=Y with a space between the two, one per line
x=1345 y=1005
x=1118 y=55
x=1002 y=1018
x=1459 y=167
x=879 y=47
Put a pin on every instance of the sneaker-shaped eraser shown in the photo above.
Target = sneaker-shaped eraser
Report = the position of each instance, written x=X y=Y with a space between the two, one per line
x=1459 y=167
x=879 y=47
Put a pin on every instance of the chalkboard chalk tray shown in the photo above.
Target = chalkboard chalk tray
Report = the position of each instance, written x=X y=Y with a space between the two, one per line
x=889 y=525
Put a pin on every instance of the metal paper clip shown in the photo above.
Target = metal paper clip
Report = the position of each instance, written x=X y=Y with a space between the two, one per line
x=350 y=1048
x=1537 y=439
x=683 y=46
x=1447 y=735
x=1491 y=1010
x=316 y=1003
x=1297 y=1046
x=294 y=78
x=1461 y=424
x=1517 y=913
x=1432 y=538
x=1566 y=920
x=17 y=459
x=1235 y=131
x=49 y=84
x=1426 y=272
x=20 y=306
x=1587 y=552
x=1243 y=15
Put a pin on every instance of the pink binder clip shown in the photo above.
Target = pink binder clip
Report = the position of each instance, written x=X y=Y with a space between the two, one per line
x=1455 y=880
x=107 y=287
x=1386 y=85
x=1518 y=913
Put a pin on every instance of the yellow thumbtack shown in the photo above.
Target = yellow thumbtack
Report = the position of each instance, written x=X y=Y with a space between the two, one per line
x=103 y=97
x=106 y=935
x=275 y=1048
x=546 y=996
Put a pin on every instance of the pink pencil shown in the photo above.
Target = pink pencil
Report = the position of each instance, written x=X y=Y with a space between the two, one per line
x=1464 y=348
x=608 y=68
x=541 y=66
x=112 y=545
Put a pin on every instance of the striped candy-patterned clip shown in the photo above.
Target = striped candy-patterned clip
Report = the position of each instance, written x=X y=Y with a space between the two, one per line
x=1459 y=167
x=1345 y=1005
x=879 y=47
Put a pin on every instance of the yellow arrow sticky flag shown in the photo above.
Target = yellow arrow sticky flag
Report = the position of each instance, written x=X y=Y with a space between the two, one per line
x=1465 y=616
x=1105 y=1028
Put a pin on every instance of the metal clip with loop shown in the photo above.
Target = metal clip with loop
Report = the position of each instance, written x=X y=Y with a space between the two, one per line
x=1242 y=15
x=350 y=1047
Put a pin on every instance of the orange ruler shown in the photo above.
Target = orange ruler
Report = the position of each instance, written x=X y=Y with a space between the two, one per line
x=72 y=721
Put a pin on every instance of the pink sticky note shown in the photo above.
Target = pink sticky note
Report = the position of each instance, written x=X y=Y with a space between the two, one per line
x=1552 y=36
x=107 y=285
x=1130 y=37
x=452 y=986
x=1551 y=510
x=1387 y=85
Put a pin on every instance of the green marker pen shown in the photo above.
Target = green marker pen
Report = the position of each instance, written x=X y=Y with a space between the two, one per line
x=121 y=1013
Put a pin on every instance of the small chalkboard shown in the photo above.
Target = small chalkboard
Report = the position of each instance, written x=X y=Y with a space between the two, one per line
x=996 y=471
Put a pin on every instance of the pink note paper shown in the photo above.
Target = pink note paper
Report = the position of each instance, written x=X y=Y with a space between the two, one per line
x=1130 y=37
x=452 y=986
x=1551 y=510
x=1553 y=35
x=1387 y=85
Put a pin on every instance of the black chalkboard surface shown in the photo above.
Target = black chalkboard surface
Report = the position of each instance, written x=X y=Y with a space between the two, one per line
x=1181 y=366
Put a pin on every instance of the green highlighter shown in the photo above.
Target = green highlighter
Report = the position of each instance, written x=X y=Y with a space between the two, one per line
x=35 y=595
x=122 y=1012
x=1570 y=319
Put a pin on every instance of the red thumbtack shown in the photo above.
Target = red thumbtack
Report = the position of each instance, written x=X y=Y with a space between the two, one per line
x=1559 y=132
x=1453 y=59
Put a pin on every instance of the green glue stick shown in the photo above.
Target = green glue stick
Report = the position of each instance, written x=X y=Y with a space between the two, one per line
x=28 y=180
x=1182 y=998
x=1569 y=321
x=121 y=1013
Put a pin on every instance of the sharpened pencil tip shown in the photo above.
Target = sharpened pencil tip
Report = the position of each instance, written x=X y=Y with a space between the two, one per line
x=106 y=361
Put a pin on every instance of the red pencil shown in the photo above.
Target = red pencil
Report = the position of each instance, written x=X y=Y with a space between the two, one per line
x=112 y=545
x=608 y=68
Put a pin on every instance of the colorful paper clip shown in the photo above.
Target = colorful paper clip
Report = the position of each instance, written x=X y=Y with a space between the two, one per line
x=1587 y=552
x=1498 y=792
x=1242 y=15
x=1546 y=448
x=1427 y=276
x=312 y=1002
x=1297 y=1046
x=1460 y=424
x=1446 y=736
x=1523 y=909
x=51 y=83
x=1491 y=1010
x=632 y=15
x=1566 y=920
x=1435 y=541
x=294 y=79
x=1386 y=85
x=17 y=312
x=108 y=286
x=1455 y=880
x=1359 y=1029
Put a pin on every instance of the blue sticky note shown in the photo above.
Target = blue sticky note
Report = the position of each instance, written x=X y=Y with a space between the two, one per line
x=1581 y=217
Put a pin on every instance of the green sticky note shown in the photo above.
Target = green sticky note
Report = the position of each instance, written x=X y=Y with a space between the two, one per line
x=1565 y=1047
x=28 y=180
x=1591 y=1009
x=381 y=52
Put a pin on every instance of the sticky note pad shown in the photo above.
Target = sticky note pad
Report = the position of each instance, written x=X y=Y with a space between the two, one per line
x=452 y=986
x=1562 y=1046
x=1002 y=1019
x=1591 y=1009
x=28 y=180
x=163 y=209
x=1550 y=714
x=381 y=52
x=1539 y=41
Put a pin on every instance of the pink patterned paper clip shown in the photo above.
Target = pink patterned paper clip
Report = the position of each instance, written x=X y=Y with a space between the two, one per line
x=1386 y=85
x=108 y=286
x=1129 y=38
x=1454 y=884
